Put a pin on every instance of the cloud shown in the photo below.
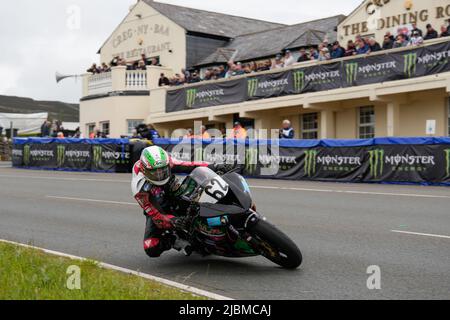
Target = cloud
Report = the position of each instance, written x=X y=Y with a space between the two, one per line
x=42 y=37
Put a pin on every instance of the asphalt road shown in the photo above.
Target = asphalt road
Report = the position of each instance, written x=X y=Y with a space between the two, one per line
x=342 y=229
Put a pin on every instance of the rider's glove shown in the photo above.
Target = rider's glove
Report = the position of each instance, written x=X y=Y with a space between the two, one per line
x=163 y=221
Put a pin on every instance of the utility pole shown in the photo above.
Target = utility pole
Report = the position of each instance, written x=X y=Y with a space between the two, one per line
x=12 y=130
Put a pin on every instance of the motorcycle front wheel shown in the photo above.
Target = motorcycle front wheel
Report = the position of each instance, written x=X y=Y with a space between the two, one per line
x=276 y=246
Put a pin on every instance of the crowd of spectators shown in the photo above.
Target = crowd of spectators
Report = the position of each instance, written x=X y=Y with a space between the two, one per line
x=405 y=37
x=140 y=64
x=55 y=129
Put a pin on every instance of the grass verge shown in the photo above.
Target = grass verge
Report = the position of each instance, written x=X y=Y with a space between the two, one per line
x=28 y=274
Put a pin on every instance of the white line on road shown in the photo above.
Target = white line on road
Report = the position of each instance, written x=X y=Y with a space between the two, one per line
x=93 y=200
x=421 y=234
x=411 y=195
x=355 y=192
x=166 y=282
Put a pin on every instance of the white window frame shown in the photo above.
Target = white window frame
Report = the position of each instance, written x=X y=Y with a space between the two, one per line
x=306 y=132
x=109 y=127
x=130 y=129
x=92 y=125
x=366 y=125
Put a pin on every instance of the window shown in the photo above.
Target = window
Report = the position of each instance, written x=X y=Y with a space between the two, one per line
x=366 y=122
x=132 y=124
x=105 y=128
x=90 y=128
x=310 y=126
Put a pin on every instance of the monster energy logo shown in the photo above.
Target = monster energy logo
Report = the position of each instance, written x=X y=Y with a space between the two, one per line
x=352 y=72
x=26 y=155
x=311 y=162
x=251 y=160
x=376 y=162
x=447 y=163
x=410 y=64
x=60 y=155
x=97 y=156
x=191 y=96
x=299 y=81
x=252 y=87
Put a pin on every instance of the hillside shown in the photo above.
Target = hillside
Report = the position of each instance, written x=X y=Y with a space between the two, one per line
x=66 y=112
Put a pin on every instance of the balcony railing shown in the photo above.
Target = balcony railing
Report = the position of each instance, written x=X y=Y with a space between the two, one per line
x=121 y=80
x=312 y=77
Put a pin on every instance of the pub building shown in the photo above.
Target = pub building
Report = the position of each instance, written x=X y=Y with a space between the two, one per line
x=394 y=93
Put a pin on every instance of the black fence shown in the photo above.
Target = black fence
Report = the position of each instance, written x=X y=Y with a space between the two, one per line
x=413 y=160
x=98 y=155
x=368 y=69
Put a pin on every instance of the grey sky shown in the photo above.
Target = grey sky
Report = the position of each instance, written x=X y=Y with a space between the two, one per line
x=37 y=40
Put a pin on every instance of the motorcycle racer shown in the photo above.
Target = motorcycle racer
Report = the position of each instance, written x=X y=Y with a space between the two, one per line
x=153 y=186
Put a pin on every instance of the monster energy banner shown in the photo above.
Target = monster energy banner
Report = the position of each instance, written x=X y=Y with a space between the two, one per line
x=399 y=162
x=208 y=95
x=73 y=154
x=369 y=69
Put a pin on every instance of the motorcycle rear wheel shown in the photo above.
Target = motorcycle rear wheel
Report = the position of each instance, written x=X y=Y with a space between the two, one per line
x=276 y=246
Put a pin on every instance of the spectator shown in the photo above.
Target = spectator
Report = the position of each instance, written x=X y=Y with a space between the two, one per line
x=205 y=135
x=105 y=68
x=144 y=58
x=374 y=46
x=313 y=53
x=288 y=59
x=388 y=42
x=93 y=69
x=115 y=62
x=448 y=26
x=337 y=51
x=400 y=42
x=278 y=62
x=415 y=29
x=141 y=65
x=186 y=74
x=45 y=129
x=195 y=78
x=351 y=49
x=265 y=66
x=404 y=32
x=287 y=132
x=135 y=135
x=163 y=80
x=189 y=134
x=153 y=133
x=324 y=54
x=60 y=135
x=221 y=72
x=303 y=56
x=362 y=47
x=238 y=131
x=155 y=63
x=416 y=39
x=431 y=33
x=444 y=32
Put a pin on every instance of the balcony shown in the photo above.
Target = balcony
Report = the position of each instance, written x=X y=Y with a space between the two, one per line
x=121 y=81
x=375 y=86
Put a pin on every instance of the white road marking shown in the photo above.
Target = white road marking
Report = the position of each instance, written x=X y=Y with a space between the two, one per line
x=62 y=179
x=421 y=234
x=412 y=195
x=93 y=200
x=166 y=282
x=355 y=192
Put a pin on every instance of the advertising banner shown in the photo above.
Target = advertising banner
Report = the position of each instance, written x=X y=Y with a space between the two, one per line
x=361 y=70
x=421 y=163
x=105 y=155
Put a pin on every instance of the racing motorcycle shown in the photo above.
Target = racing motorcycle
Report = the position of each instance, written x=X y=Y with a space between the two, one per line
x=221 y=219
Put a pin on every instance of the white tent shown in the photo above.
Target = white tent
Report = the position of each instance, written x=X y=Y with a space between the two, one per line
x=25 y=123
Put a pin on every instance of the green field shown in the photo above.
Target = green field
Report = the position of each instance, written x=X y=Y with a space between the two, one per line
x=27 y=274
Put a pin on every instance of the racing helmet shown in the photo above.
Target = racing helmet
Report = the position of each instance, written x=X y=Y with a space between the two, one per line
x=155 y=165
